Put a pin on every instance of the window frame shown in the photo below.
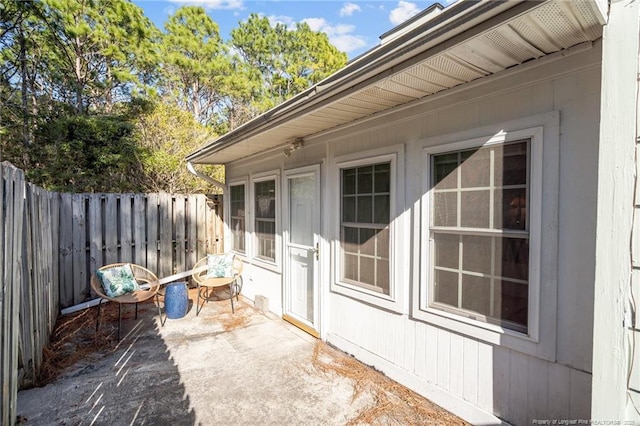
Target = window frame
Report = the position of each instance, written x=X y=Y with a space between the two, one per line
x=543 y=133
x=274 y=265
x=239 y=182
x=395 y=156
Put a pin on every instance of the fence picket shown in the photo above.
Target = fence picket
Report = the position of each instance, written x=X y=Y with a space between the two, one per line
x=66 y=250
x=152 y=233
x=192 y=231
x=111 y=229
x=80 y=288
x=201 y=211
x=180 y=225
x=126 y=239
x=16 y=272
x=5 y=366
x=96 y=244
x=139 y=230
x=166 y=235
x=9 y=361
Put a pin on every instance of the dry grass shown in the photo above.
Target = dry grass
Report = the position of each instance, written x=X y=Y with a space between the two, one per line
x=223 y=314
x=74 y=339
x=393 y=403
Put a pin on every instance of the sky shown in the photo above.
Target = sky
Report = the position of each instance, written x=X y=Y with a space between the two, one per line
x=352 y=26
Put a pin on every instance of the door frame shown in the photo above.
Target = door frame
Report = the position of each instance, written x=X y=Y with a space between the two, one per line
x=314 y=328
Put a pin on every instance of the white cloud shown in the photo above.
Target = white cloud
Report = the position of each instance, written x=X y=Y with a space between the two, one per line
x=348 y=42
x=349 y=8
x=339 y=35
x=212 y=4
x=403 y=11
x=281 y=19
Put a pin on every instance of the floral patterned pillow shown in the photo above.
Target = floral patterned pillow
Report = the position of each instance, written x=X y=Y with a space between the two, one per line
x=219 y=265
x=118 y=280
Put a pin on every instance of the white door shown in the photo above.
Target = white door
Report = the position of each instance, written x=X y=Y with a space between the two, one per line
x=301 y=230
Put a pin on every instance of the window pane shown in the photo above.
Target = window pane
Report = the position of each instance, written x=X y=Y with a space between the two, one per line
x=365 y=180
x=367 y=270
x=381 y=209
x=476 y=254
x=510 y=209
x=350 y=267
x=476 y=294
x=382 y=243
x=474 y=209
x=237 y=200
x=382 y=179
x=349 y=181
x=475 y=169
x=511 y=164
x=365 y=209
x=349 y=209
x=446 y=287
x=265 y=232
x=350 y=239
x=446 y=250
x=512 y=258
x=367 y=241
x=511 y=302
x=445 y=209
x=237 y=230
x=266 y=199
x=445 y=175
x=382 y=275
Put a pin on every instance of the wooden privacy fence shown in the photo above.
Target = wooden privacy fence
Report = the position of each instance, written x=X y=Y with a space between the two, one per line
x=51 y=243
x=166 y=233
x=28 y=282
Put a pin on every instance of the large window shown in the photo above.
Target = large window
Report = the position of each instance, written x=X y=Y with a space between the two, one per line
x=265 y=219
x=237 y=210
x=479 y=233
x=364 y=226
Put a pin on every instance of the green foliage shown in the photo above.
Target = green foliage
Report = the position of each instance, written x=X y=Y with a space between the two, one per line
x=85 y=154
x=288 y=60
x=166 y=135
x=196 y=70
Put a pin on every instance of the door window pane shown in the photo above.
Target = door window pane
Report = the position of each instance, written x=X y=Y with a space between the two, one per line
x=302 y=193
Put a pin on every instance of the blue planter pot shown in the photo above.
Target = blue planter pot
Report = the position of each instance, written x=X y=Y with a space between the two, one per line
x=176 y=300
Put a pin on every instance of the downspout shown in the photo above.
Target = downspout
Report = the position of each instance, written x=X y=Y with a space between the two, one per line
x=209 y=179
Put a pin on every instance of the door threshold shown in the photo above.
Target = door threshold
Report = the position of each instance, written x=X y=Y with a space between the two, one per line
x=302 y=326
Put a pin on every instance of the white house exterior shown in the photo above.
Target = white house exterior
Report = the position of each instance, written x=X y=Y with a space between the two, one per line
x=456 y=208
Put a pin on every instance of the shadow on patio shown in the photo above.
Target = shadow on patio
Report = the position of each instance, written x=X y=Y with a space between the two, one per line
x=219 y=368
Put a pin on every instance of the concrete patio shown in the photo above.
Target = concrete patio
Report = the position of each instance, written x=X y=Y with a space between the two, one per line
x=216 y=368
